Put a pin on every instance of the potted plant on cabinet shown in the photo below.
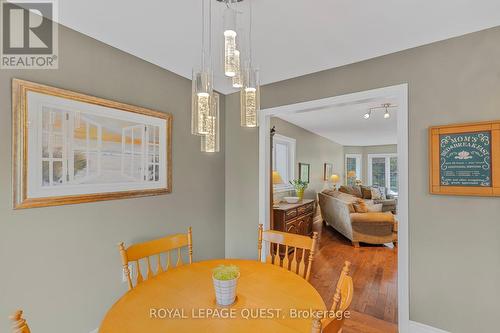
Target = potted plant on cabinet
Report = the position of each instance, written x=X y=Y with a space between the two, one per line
x=299 y=186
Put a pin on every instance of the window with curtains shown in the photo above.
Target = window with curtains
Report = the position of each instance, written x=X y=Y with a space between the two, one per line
x=383 y=171
x=284 y=161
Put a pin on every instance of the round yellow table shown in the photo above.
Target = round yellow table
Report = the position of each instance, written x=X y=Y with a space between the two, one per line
x=269 y=299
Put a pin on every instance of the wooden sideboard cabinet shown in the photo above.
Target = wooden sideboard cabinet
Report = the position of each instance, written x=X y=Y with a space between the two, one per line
x=294 y=218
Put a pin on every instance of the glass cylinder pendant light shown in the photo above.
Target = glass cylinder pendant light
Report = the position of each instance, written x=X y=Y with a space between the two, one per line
x=237 y=78
x=250 y=98
x=229 y=40
x=202 y=89
x=250 y=89
x=201 y=99
x=210 y=141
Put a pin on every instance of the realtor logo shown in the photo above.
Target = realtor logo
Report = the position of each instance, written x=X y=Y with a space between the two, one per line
x=28 y=34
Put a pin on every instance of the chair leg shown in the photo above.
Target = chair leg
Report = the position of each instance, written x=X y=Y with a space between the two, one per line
x=355 y=244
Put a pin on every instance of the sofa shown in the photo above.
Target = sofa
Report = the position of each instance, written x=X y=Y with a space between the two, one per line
x=338 y=211
x=389 y=203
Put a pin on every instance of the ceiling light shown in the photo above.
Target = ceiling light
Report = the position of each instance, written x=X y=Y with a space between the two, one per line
x=229 y=40
x=250 y=98
x=210 y=141
x=202 y=88
x=237 y=79
x=385 y=107
x=250 y=90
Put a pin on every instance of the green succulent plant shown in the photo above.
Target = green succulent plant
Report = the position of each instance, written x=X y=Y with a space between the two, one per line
x=225 y=273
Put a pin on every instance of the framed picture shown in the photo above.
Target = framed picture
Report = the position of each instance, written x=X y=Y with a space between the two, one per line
x=465 y=159
x=72 y=148
x=304 y=172
x=327 y=171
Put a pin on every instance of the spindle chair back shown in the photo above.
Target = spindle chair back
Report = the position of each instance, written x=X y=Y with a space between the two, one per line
x=342 y=299
x=19 y=323
x=153 y=249
x=295 y=249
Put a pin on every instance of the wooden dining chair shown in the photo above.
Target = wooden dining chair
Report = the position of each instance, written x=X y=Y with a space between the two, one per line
x=341 y=301
x=294 y=257
x=143 y=251
x=19 y=323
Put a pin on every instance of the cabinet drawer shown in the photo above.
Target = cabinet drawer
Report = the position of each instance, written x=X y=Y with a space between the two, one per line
x=290 y=214
x=304 y=209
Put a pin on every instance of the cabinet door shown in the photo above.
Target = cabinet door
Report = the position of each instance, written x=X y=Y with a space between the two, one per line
x=304 y=225
x=292 y=227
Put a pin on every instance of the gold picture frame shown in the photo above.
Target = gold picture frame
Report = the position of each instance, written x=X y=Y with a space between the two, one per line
x=159 y=170
x=464 y=159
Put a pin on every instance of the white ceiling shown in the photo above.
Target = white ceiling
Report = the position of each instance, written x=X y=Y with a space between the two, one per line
x=291 y=37
x=345 y=124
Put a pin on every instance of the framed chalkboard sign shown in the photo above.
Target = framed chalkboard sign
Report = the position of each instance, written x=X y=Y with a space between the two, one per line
x=465 y=159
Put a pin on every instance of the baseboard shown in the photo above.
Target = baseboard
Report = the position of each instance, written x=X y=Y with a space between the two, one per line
x=94 y=331
x=422 y=328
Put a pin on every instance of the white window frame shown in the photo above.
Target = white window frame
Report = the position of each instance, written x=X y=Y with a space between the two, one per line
x=387 y=168
x=359 y=165
x=292 y=144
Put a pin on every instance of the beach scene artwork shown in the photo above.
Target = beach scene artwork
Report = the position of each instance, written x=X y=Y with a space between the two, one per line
x=75 y=148
x=79 y=148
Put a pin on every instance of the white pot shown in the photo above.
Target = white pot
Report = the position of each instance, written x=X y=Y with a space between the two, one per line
x=225 y=291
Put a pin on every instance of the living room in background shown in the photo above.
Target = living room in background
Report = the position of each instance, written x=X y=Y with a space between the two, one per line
x=378 y=229
x=383 y=171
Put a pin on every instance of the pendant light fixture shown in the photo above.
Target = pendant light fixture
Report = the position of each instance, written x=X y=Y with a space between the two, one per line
x=237 y=78
x=250 y=90
x=210 y=141
x=205 y=102
x=202 y=88
x=229 y=21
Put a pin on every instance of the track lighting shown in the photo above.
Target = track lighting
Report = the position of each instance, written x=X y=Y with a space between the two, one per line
x=385 y=106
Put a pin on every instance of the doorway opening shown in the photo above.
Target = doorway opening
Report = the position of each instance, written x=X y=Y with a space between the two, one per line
x=354 y=164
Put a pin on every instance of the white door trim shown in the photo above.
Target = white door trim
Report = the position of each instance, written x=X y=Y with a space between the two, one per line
x=398 y=92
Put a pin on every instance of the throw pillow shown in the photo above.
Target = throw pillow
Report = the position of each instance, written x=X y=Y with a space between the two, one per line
x=376 y=195
x=345 y=189
x=383 y=192
x=366 y=192
x=360 y=207
x=356 y=191
x=376 y=208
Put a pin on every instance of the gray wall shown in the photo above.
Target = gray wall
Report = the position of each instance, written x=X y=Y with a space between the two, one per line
x=314 y=150
x=61 y=264
x=454 y=241
x=364 y=151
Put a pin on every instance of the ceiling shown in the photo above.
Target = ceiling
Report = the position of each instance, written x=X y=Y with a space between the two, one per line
x=291 y=37
x=345 y=124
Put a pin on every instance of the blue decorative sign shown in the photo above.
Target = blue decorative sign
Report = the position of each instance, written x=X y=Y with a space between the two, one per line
x=465 y=159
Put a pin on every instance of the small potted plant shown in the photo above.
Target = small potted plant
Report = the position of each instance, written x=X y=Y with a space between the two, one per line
x=225 y=279
x=299 y=187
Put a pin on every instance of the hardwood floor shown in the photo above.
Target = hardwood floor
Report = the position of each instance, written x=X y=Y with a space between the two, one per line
x=374 y=271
